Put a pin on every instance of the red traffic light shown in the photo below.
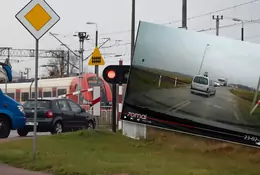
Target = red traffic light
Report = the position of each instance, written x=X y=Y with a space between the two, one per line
x=111 y=74
x=116 y=74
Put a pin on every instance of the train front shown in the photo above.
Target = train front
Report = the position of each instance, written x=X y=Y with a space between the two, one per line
x=89 y=81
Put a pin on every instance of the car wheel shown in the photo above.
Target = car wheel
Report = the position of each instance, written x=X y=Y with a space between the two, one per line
x=22 y=132
x=57 y=128
x=208 y=94
x=5 y=127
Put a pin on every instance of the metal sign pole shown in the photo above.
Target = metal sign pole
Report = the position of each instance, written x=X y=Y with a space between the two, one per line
x=79 y=78
x=114 y=107
x=96 y=66
x=35 y=98
x=33 y=18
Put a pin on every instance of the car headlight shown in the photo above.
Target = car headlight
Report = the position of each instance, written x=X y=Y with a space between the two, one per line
x=21 y=108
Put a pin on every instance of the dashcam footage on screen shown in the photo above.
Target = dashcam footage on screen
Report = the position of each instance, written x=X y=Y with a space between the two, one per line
x=184 y=78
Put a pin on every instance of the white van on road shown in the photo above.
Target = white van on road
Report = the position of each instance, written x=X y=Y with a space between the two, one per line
x=202 y=85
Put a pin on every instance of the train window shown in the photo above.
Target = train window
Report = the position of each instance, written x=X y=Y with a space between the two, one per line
x=54 y=94
x=62 y=92
x=10 y=95
x=18 y=96
x=25 y=96
x=47 y=94
x=40 y=94
x=33 y=95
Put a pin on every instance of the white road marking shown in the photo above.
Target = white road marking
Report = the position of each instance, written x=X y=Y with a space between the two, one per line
x=216 y=106
x=236 y=115
x=182 y=106
x=177 y=105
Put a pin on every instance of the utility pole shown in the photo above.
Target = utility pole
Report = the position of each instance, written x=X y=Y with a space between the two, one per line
x=68 y=65
x=242 y=32
x=133 y=31
x=62 y=64
x=8 y=55
x=184 y=14
x=96 y=66
x=27 y=70
x=82 y=36
x=21 y=73
x=217 y=18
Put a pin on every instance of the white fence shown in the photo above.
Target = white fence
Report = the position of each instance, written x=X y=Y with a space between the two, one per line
x=105 y=118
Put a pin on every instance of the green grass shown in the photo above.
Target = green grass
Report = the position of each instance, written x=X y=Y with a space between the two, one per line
x=172 y=75
x=147 y=79
x=104 y=153
x=245 y=99
x=244 y=94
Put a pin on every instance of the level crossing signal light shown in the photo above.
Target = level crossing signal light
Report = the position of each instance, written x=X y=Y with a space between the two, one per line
x=116 y=74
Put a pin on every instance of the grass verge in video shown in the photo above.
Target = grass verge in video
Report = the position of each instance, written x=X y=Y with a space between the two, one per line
x=145 y=79
x=104 y=153
x=245 y=99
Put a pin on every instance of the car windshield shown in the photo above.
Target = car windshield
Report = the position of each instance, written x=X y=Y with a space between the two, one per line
x=40 y=104
x=201 y=80
x=221 y=80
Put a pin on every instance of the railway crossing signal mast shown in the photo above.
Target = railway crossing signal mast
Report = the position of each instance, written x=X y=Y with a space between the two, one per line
x=115 y=74
x=82 y=37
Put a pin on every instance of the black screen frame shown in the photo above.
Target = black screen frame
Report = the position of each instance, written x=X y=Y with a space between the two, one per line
x=152 y=118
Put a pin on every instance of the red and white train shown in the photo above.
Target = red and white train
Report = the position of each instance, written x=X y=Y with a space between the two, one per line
x=59 y=86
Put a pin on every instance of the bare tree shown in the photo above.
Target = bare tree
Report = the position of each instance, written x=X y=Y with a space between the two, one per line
x=61 y=65
x=74 y=61
x=54 y=66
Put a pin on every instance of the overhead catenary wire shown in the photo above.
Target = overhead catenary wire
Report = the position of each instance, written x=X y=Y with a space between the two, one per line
x=217 y=11
x=190 y=18
x=194 y=17
x=229 y=25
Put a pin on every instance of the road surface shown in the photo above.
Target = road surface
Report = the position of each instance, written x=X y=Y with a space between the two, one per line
x=14 y=134
x=7 y=170
x=221 y=107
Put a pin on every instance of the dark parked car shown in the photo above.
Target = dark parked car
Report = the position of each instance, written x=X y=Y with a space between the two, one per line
x=56 y=115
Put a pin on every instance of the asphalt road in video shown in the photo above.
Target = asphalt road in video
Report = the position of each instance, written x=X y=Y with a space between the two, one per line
x=14 y=134
x=222 y=106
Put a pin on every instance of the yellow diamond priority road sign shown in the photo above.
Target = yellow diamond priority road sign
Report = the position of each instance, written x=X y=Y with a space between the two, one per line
x=37 y=17
x=96 y=58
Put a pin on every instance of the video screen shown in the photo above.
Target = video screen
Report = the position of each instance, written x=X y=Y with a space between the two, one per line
x=195 y=83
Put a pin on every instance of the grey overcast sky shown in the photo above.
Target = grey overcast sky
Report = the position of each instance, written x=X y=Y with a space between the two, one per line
x=114 y=21
x=178 y=50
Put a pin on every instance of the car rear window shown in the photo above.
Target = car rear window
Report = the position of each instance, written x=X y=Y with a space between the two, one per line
x=201 y=80
x=40 y=104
